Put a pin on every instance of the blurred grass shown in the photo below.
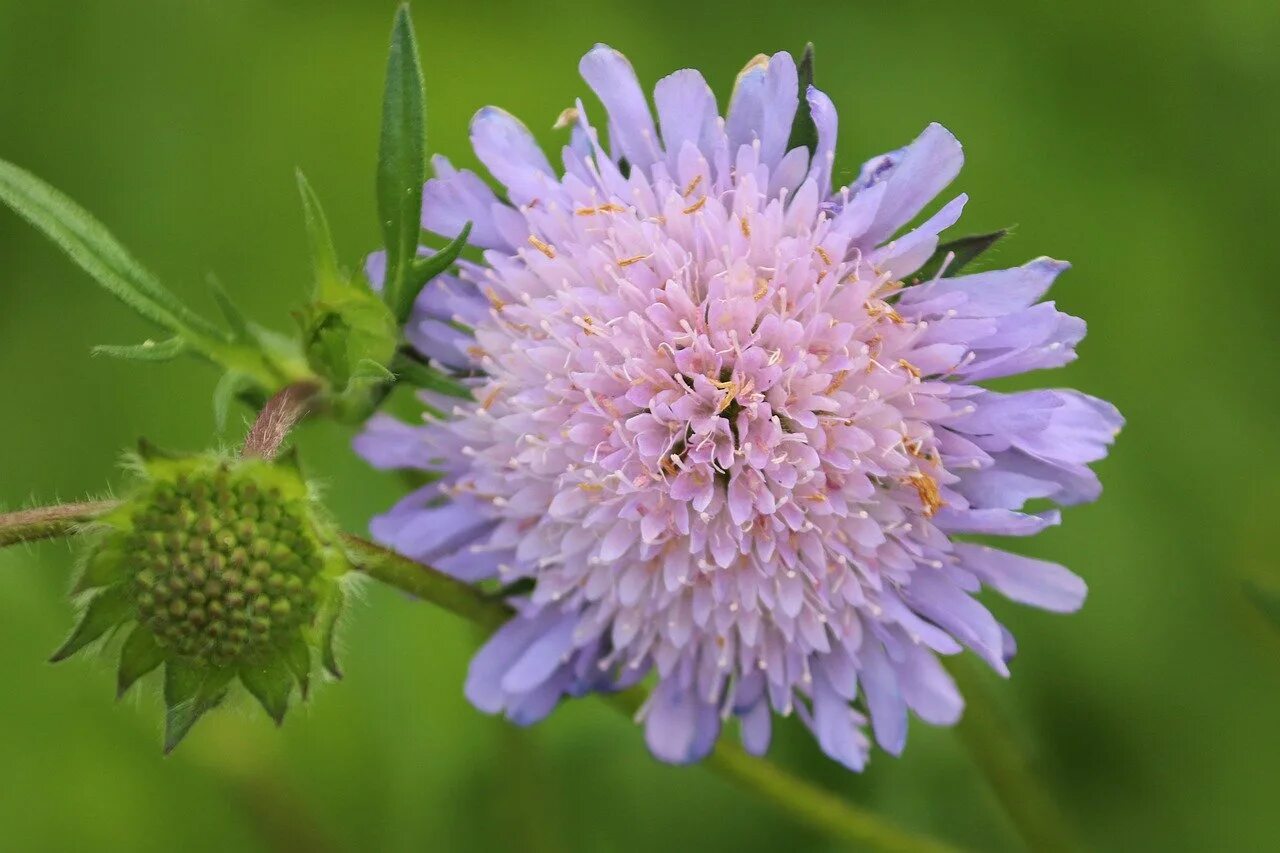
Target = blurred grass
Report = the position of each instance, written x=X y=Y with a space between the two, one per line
x=1136 y=143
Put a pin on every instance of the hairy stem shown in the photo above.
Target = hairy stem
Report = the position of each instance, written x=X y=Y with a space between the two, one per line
x=807 y=803
x=985 y=735
x=281 y=414
x=48 y=522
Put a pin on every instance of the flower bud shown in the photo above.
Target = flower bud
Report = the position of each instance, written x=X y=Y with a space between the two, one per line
x=348 y=336
x=198 y=562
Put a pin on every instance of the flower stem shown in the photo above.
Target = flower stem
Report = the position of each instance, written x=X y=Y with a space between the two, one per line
x=814 y=806
x=426 y=583
x=49 y=522
x=280 y=414
x=791 y=794
x=807 y=803
x=985 y=735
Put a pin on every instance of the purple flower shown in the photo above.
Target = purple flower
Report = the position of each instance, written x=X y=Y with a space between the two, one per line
x=722 y=430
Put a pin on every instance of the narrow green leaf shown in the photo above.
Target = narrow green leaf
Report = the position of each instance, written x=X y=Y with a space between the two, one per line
x=270 y=683
x=106 y=610
x=803 y=130
x=346 y=321
x=805 y=68
x=235 y=317
x=324 y=260
x=402 y=168
x=166 y=350
x=149 y=450
x=276 y=347
x=423 y=376
x=181 y=683
x=229 y=386
x=368 y=370
x=140 y=655
x=90 y=245
x=966 y=250
x=189 y=693
x=178 y=720
x=102 y=567
x=427 y=268
x=369 y=384
x=328 y=626
x=298 y=657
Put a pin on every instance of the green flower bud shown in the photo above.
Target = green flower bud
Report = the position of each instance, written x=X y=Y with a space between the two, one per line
x=196 y=560
x=346 y=324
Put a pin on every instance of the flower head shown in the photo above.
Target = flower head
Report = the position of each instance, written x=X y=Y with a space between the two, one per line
x=720 y=426
x=224 y=570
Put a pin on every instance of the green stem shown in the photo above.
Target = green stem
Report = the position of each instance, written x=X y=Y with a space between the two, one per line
x=426 y=583
x=809 y=804
x=985 y=735
x=802 y=800
x=814 y=806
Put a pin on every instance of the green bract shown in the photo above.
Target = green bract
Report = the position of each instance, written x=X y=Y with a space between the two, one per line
x=348 y=334
x=220 y=569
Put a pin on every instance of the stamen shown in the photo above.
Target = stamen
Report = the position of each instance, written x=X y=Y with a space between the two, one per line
x=836 y=381
x=567 y=116
x=604 y=208
x=545 y=248
x=877 y=308
x=729 y=394
x=927 y=488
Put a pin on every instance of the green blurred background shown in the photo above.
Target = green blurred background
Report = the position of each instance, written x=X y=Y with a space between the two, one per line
x=1138 y=143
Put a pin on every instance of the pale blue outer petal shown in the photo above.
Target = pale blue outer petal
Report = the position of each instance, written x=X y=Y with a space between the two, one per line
x=612 y=78
x=925 y=168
